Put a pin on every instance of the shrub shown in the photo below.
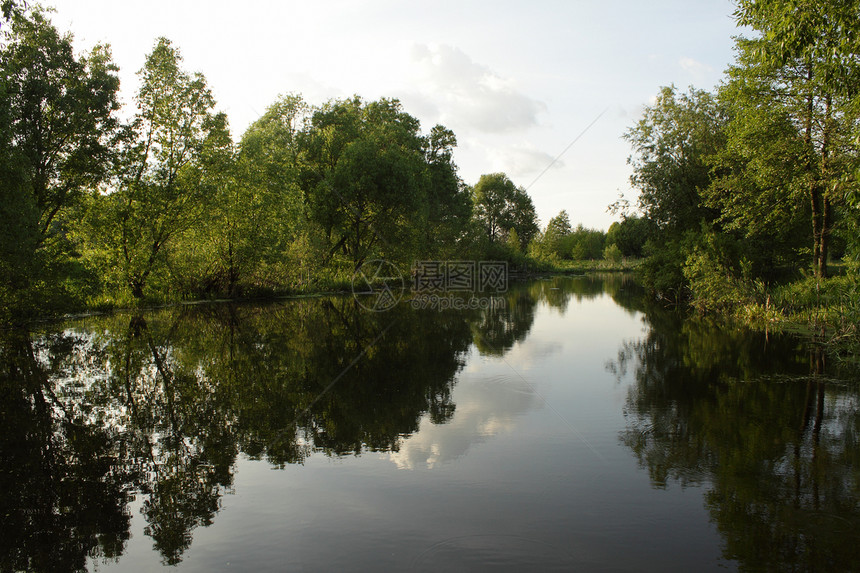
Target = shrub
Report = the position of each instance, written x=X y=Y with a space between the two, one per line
x=612 y=253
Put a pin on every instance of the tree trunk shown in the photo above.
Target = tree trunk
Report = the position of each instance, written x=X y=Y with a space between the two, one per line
x=817 y=234
x=824 y=243
x=826 y=214
x=815 y=195
x=137 y=289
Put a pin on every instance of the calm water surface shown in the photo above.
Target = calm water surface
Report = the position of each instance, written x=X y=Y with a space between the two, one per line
x=574 y=428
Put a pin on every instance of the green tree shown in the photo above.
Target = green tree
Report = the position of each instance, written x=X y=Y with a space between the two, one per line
x=612 y=253
x=500 y=206
x=672 y=146
x=364 y=177
x=802 y=67
x=164 y=180
x=759 y=185
x=449 y=201
x=209 y=256
x=586 y=244
x=255 y=214
x=524 y=217
x=629 y=235
x=556 y=235
x=57 y=117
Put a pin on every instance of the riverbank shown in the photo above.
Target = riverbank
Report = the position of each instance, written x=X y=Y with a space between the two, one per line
x=826 y=310
x=335 y=283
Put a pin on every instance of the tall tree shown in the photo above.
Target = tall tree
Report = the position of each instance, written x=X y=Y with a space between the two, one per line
x=164 y=179
x=805 y=62
x=267 y=237
x=557 y=231
x=672 y=145
x=364 y=176
x=449 y=202
x=500 y=206
x=760 y=187
x=57 y=117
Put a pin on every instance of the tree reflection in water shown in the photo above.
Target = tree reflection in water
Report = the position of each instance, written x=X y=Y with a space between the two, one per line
x=777 y=454
x=160 y=406
x=64 y=496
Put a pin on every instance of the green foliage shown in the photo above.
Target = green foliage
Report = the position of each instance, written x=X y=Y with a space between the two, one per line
x=629 y=235
x=556 y=236
x=585 y=244
x=672 y=143
x=168 y=173
x=537 y=250
x=513 y=242
x=711 y=272
x=802 y=67
x=729 y=184
x=612 y=253
x=365 y=178
x=500 y=206
x=261 y=210
x=449 y=203
x=168 y=207
x=558 y=242
x=662 y=271
x=56 y=126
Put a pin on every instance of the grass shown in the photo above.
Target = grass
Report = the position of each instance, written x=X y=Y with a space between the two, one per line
x=585 y=266
x=827 y=310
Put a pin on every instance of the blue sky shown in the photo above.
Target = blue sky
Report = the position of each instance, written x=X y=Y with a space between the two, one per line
x=515 y=81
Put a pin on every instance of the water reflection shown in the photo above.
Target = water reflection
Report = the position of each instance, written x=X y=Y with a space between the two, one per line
x=156 y=411
x=484 y=409
x=158 y=407
x=762 y=424
x=54 y=460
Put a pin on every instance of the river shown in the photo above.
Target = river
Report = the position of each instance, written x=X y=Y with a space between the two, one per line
x=570 y=424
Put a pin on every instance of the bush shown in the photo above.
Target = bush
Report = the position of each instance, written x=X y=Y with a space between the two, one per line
x=612 y=253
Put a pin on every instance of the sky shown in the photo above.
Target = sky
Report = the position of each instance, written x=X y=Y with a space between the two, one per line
x=541 y=90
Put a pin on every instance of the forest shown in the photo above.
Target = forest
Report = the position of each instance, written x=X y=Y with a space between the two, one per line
x=748 y=201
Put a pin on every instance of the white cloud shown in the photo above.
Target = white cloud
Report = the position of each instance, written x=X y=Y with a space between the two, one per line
x=523 y=159
x=470 y=95
x=485 y=408
x=698 y=70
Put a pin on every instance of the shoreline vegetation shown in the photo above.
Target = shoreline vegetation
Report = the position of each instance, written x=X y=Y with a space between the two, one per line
x=322 y=287
x=825 y=312
x=748 y=196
